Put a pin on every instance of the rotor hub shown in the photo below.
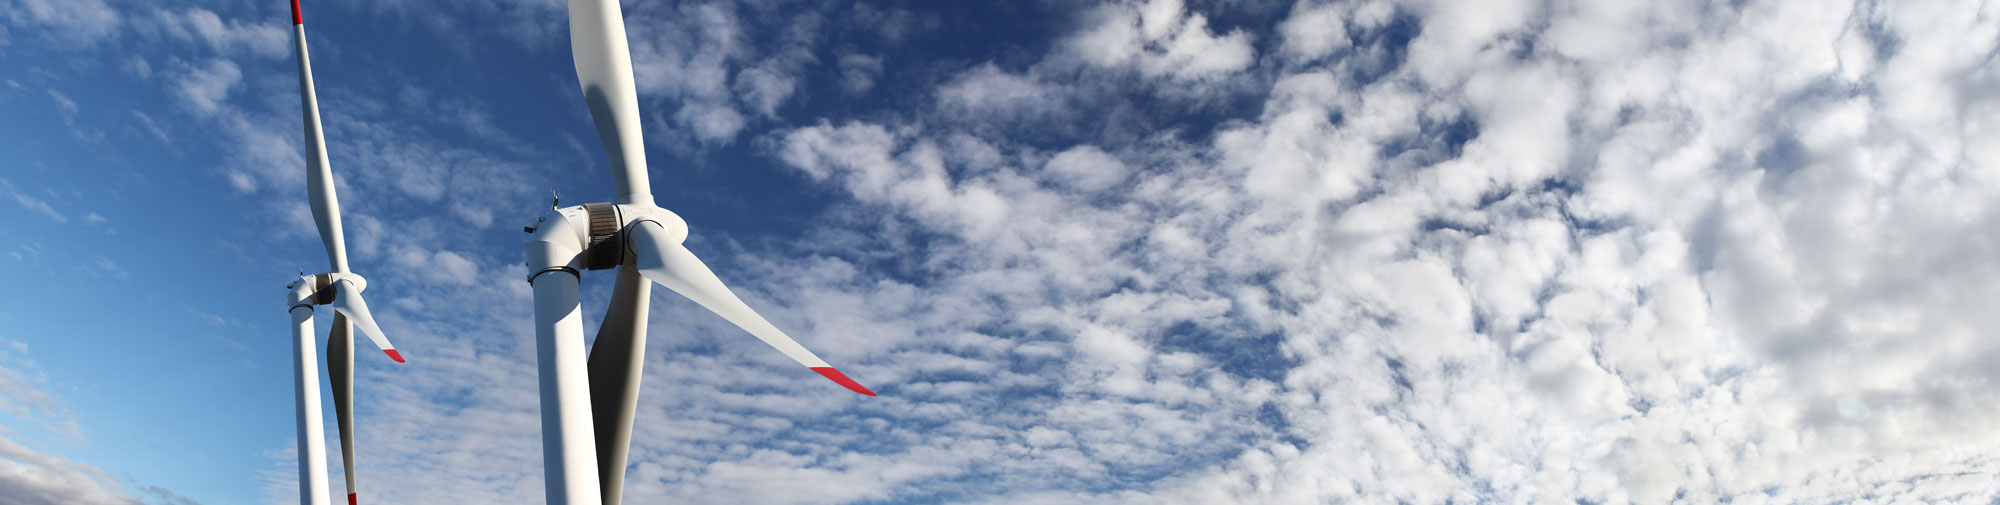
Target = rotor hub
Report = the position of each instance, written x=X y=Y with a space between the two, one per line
x=606 y=246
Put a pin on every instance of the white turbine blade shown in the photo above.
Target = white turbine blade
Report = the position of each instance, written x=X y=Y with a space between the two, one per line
x=663 y=260
x=319 y=177
x=347 y=301
x=604 y=68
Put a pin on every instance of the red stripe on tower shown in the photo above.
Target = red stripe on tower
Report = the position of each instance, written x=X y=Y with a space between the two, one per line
x=841 y=378
x=296 y=20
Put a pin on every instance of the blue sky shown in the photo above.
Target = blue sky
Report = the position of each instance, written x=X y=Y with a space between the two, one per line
x=1248 y=251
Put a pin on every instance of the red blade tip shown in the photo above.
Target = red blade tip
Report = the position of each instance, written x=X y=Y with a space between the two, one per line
x=350 y=496
x=394 y=355
x=297 y=21
x=841 y=379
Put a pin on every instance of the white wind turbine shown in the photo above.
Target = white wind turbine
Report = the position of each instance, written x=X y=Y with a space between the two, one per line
x=339 y=289
x=587 y=403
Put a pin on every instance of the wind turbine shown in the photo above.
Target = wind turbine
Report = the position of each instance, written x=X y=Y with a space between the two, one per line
x=587 y=403
x=340 y=290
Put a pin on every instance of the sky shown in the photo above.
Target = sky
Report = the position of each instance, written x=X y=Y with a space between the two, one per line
x=1129 y=252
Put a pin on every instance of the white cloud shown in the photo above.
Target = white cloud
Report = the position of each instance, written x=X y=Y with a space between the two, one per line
x=442 y=267
x=204 y=88
x=33 y=478
x=987 y=93
x=30 y=202
x=63 y=103
x=1495 y=257
x=717 y=69
x=764 y=89
x=23 y=386
x=226 y=37
x=1161 y=38
x=139 y=67
x=1088 y=168
x=69 y=21
x=1464 y=251
x=261 y=156
x=531 y=23
x=1313 y=31
x=711 y=123
x=152 y=127
x=858 y=72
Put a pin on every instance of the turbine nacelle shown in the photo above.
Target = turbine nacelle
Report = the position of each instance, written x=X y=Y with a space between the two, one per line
x=595 y=236
x=318 y=289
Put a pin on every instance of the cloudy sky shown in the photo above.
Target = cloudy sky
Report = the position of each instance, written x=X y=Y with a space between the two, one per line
x=1158 y=252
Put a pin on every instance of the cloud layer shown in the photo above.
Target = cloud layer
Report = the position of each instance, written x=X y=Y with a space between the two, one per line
x=30 y=476
x=1221 y=252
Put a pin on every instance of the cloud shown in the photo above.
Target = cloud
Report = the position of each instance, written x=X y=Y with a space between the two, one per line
x=166 y=496
x=858 y=72
x=226 y=37
x=64 y=104
x=443 y=267
x=22 y=385
x=990 y=94
x=204 y=88
x=70 y=21
x=398 y=163
x=1088 y=168
x=1161 y=38
x=138 y=67
x=1313 y=31
x=105 y=266
x=152 y=127
x=1373 y=252
x=717 y=70
x=530 y=23
x=31 y=478
x=1493 y=255
x=278 y=481
x=30 y=202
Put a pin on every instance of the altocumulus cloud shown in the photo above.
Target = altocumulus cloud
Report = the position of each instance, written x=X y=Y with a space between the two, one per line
x=32 y=477
x=1605 y=252
x=1482 y=252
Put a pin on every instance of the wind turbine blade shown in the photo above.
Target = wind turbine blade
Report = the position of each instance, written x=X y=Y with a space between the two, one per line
x=340 y=372
x=604 y=68
x=664 y=261
x=615 y=362
x=347 y=301
x=319 y=177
